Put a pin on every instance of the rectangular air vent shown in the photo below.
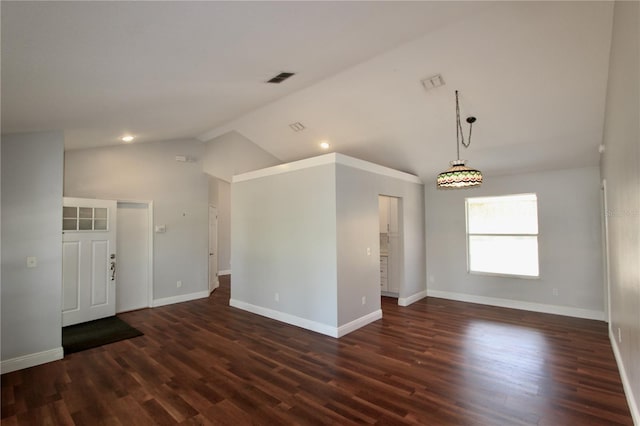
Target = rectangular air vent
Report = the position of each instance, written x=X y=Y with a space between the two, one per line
x=281 y=77
x=433 y=82
x=297 y=126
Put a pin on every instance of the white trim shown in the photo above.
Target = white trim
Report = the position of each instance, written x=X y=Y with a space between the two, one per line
x=286 y=167
x=331 y=158
x=286 y=318
x=31 y=360
x=606 y=258
x=359 y=322
x=181 y=298
x=356 y=163
x=224 y=272
x=500 y=274
x=151 y=237
x=214 y=251
x=406 y=301
x=517 y=304
x=626 y=383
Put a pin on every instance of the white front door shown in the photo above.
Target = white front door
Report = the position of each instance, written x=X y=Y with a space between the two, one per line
x=213 y=249
x=88 y=260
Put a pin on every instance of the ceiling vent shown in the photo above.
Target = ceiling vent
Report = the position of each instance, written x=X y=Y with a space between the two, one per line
x=281 y=77
x=297 y=126
x=432 y=82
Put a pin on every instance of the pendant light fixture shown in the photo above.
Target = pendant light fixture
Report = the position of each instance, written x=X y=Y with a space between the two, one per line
x=459 y=175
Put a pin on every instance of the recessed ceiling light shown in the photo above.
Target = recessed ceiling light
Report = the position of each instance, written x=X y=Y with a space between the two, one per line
x=127 y=138
x=324 y=145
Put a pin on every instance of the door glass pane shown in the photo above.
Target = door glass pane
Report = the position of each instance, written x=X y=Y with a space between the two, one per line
x=86 y=212
x=100 y=213
x=69 y=212
x=85 y=224
x=100 y=225
x=69 y=224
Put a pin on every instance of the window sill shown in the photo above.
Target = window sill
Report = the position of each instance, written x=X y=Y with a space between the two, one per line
x=497 y=274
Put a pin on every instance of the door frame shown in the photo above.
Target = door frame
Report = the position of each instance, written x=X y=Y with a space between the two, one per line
x=215 y=252
x=151 y=232
x=398 y=254
x=605 y=254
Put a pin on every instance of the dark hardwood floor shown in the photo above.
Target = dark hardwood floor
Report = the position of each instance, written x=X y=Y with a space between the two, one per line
x=436 y=362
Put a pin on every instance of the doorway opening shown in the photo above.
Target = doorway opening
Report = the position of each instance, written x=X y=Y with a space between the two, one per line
x=390 y=245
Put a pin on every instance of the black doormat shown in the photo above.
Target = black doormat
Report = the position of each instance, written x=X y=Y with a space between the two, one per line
x=79 y=337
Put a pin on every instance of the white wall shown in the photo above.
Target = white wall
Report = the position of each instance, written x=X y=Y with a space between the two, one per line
x=179 y=191
x=224 y=225
x=302 y=230
x=232 y=154
x=621 y=169
x=569 y=241
x=31 y=226
x=283 y=239
x=358 y=228
x=220 y=197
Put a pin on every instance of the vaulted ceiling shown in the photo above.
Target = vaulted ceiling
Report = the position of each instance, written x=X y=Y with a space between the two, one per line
x=533 y=73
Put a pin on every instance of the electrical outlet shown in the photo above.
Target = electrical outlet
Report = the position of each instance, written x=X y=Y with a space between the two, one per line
x=619 y=335
x=368 y=251
x=555 y=291
x=179 y=284
x=276 y=297
x=364 y=300
x=32 y=262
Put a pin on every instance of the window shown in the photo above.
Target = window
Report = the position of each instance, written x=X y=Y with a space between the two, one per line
x=502 y=235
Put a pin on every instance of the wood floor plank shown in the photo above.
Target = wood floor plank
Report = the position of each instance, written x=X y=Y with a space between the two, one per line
x=436 y=362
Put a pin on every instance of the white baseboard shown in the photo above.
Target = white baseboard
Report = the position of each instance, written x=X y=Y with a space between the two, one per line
x=179 y=299
x=516 y=304
x=626 y=384
x=224 y=272
x=318 y=327
x=359 y=322
x=31 y=360
x=406 y=301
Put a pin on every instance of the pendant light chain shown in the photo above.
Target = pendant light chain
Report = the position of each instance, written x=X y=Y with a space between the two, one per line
x=459 y=132
x=459 y=175
x=458 y=127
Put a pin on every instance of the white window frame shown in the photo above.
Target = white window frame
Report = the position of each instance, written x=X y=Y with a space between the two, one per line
x=468 y=234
